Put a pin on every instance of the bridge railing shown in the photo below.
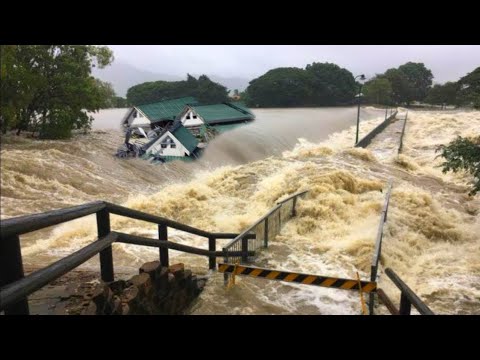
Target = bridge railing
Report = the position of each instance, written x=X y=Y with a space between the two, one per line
x=378 y=245
x=15 y=287
x=264 y=229
x=400 y=148
x=407 y=298
x=367 y=139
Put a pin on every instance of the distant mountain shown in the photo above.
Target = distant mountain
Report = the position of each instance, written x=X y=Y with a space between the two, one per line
x=123 y=76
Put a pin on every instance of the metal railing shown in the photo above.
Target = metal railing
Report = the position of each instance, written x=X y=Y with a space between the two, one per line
x=407 y=298
x=15 y=287
x=387 y=109
x=378 y=245
x=265 y=228
x=400 y=147
x=367 y=139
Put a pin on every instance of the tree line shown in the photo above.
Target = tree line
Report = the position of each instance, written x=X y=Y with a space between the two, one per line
x=326 y=84
x=322 y=84
x=319 y=84
x=203 y=89
x=49 y=89
x=413 y=82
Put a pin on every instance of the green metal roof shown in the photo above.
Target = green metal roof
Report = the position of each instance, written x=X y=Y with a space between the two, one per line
x=241 y=105
x=221 y=113
x=166 y=109
x=185 y=137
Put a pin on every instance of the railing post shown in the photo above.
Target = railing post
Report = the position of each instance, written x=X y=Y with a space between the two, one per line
x=106 y=256
x=371 y=300
x=212 y=246
x=279 y=218
x=11 y=270
x=265 y=236
x=226 y=261
x=163 y=236
x=294 y=211
x=405 y=305
x=245 y=249
x=386 y=110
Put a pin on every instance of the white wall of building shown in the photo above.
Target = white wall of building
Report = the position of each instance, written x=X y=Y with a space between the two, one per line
x=137 y=118
x=191 y=119
x=167 y=149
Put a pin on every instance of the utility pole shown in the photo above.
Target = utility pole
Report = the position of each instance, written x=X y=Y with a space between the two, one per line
x=362 y=77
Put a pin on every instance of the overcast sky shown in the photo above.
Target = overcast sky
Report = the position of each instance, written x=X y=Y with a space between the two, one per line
x=447 y=62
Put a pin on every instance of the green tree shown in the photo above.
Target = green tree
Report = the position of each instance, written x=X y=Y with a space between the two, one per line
x=107 y=93
x=469 y=89
x=111 y=100
x=331 y=84
x=245 y=97
x=280 y=87
x=202 y=88
x=120 y=102
x=402 y=92
x=49 y=88
x=419 y=79
x=18 y=84
x=443 y=94
x=378 y=91
x=236 y=92
x=463 y=155
x=210 y=92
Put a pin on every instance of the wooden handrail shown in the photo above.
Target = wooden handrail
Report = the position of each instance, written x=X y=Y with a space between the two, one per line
x=140 y=240
x=28 y=223
x=139 y=215
x=17 y=290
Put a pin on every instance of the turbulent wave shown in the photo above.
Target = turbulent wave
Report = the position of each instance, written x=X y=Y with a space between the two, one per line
x=431 y=238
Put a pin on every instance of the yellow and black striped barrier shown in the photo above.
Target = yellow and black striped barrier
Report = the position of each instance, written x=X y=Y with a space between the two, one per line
x=324 y=281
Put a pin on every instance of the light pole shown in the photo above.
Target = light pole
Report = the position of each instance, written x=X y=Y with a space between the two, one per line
x=362 y=77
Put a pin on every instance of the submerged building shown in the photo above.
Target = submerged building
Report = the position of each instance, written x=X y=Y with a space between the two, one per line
x=177 y=128
x=156 y=114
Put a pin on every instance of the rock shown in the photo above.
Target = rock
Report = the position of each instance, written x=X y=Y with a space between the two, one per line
x=187 y=275
x=117 y=286
x=91 y=309
x=180 y=301
x=101 y=297
x=171 y=281
x=143 y=283
x=151 y=268
x=177 y=270
x=201 y=282
x=155 y=290
x=130 y=295
x=161 y=280
x=117 y=306
x=169 y=305
x=125 y=309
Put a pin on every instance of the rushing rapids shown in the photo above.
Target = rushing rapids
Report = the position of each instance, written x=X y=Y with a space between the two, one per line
x=431 y=238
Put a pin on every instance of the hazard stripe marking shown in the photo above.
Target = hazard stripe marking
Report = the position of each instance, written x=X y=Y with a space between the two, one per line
x=324 y=281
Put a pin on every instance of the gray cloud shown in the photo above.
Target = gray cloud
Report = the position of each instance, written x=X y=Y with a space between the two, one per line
x=447 y=62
